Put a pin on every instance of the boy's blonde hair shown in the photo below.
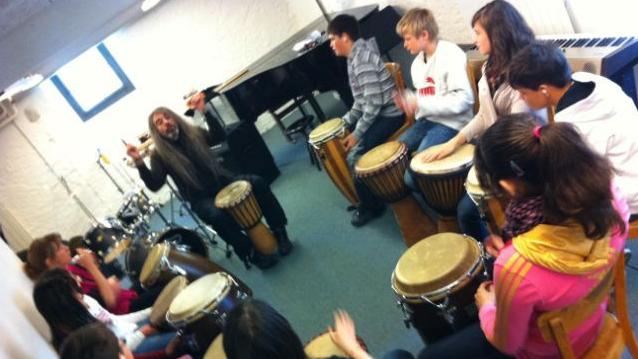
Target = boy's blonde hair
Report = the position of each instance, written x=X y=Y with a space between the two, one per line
x=417 y=20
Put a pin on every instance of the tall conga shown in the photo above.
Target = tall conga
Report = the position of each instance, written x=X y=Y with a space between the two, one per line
x=382 y=169
x=239 y=200
x=435 y=281
x=442 y=182
x=326 y=140
x=490 y=207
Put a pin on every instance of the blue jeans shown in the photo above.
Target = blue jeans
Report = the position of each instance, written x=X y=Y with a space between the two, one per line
x=469 y=219
x=469 y=343
x=376 y=134
x=422 y=135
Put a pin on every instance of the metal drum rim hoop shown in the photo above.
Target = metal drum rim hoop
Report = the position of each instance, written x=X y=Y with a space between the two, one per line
x=239 y=199
x=317 y=142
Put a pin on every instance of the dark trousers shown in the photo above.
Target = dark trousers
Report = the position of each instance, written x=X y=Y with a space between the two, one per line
x=469 y=219
x=469 y=343
x=376 y=134
x=227 y=228
x=145 y=298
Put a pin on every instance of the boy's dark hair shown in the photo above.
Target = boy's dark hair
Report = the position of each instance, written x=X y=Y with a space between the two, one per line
x=344 y=24
x=573 y=181
x=539 y=63
x=93 y=341
x=254 y=329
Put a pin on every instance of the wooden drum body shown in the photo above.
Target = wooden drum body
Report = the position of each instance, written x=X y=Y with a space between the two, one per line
x=326 y=140
x=239 y=200
x=199 y=311
x=435 y=281
x=382 y=169
x=490 y=207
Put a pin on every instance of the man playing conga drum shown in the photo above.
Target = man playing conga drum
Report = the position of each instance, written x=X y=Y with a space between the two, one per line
x=373 y=116
x=182 y=152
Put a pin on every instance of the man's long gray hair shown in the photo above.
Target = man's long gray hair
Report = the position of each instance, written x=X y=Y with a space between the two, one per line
x=174 y=157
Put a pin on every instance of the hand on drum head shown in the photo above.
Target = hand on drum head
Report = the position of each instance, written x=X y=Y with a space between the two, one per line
x=349 y=142
x=344 y=335
x=485 y=294
x=440 y=152
x=493 y=244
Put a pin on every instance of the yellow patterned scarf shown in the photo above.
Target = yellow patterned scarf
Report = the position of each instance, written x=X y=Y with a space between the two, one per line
x=564 y=249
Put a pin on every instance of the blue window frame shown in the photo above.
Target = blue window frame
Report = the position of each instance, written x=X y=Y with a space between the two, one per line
x=87 y=84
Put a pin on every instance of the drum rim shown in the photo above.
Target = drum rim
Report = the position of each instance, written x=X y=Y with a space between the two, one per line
x=398 y=156
x=154 y=274
x=319 y=140
x=448 y=289
x=181 y=282
x=208 y=308
x=442 y=172
x=236 y=201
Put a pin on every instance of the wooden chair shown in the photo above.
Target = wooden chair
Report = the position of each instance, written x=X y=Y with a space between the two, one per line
x=395 y=70
x=616 y=332
x=633 y=229
x=474 y=75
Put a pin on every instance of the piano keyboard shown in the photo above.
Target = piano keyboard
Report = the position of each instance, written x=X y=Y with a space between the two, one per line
x=588 y=41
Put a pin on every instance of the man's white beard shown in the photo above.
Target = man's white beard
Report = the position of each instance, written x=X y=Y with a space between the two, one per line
x=174 y=134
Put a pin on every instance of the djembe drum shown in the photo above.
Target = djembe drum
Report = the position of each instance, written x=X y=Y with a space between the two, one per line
x=435 y=281
x=442 y=181
x=382 y=170
x=326 y=140
x=322 y=346
x=239 y=200
x=490 y=207
x=160 y=307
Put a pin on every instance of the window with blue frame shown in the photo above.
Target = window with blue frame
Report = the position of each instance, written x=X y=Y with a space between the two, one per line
x=92 y=82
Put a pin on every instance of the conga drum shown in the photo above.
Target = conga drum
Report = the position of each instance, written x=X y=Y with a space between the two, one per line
x=158 y=312
x=442 y=182
x=239 y=200
x=322 y=346
x=326 y=140
x=490 y=207
x=216 y=350
x=435 y=281
x=199 y=311
x=382 y=170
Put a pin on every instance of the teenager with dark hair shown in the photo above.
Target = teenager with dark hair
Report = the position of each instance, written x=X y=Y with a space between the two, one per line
x=373 y=117
x=604 y=114
x=94 y=341
x=60 y=300
x=182 y=152
x=255 y=330
x=500 y=32
x=566 y=225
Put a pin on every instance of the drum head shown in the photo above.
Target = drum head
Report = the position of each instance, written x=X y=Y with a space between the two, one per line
x=184 y=240
x=232 y=194
x=323 y=347
x=151 y=268
x=433 y=263
x=459 y=160
x=473 y=186
x=203 y=294
x=326 y=131
x=163 y=301
x=216 y=350
x=380 y=156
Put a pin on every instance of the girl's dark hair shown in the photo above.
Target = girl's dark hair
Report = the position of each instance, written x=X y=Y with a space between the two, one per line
x=56 y=296
x=255 y=330
x=93 y=341
x=39 y=251
x=508 y=32
x=558 y=165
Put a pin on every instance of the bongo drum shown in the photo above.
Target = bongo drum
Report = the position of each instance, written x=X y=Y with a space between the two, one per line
x=158 y=312
x=489 y=206
x=238 y=199
x=199 y=311
x=382 y=170
x=216 y=350
x=441 y=182
x=322 y=346
x=164 y=262
x=326 y=140
x=435 y=281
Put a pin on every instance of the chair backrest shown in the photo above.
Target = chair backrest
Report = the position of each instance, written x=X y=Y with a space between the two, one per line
x=395 y=70
x=474 y=75
x=556 y=325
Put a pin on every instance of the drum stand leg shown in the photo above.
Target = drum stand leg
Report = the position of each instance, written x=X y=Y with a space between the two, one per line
x=413 y=223
x=262 y=238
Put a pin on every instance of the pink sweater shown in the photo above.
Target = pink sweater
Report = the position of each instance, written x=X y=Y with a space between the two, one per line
x=536 y=290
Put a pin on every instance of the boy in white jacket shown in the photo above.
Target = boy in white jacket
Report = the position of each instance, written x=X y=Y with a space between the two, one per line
x=603 y=113
x=444 y=100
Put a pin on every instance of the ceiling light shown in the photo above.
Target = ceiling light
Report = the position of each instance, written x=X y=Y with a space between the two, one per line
x=26 y=83
x=149 y=4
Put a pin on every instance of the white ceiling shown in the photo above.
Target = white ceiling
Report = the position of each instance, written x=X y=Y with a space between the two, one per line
x=14 y=12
